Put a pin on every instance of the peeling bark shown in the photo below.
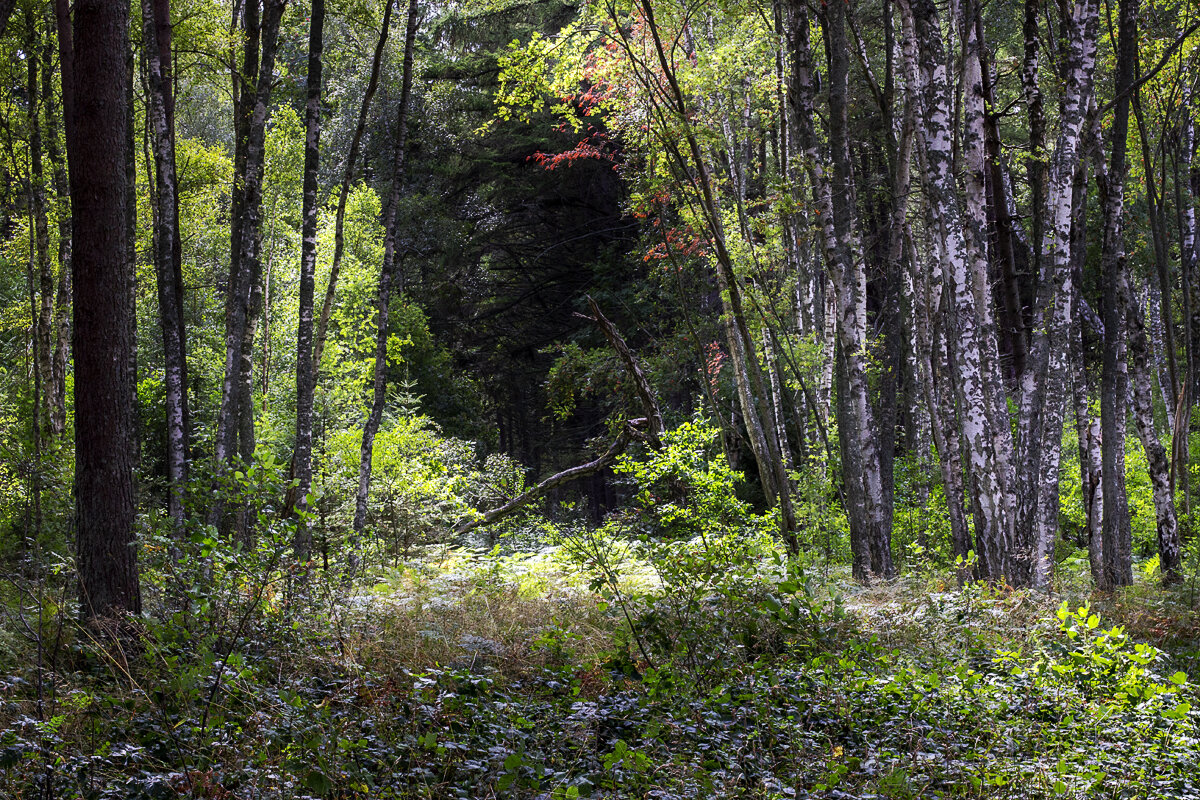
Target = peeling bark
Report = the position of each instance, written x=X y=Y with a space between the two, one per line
x=167 y=266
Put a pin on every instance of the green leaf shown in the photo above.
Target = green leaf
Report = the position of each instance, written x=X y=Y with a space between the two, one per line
x=317 y=782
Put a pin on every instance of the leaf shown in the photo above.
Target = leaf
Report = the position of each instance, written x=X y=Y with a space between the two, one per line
x=317 y=782
x=1179 y=678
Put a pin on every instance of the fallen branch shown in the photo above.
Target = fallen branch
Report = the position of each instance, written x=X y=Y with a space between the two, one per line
x=649 y=429
x=654 y=420
x=583 y=470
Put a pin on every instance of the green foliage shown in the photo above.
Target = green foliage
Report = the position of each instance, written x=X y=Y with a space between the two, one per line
x=686 y=489
x=259 y=684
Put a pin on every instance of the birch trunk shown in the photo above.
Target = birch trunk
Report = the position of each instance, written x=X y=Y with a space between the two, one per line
x=861 y=473
x=1040 y=407
x=236 y=295
x=1120 y=563
x=166 y=247
x=235 y=423
x=991 y=502
x=1114 y=379
x=1088 y=434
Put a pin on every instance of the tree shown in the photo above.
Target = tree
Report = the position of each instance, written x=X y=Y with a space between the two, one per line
x=305 y=371
x=104 y=443
x=389 y=278
x=168 y=267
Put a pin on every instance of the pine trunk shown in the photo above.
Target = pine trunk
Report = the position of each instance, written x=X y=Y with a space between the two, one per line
x=103 y=311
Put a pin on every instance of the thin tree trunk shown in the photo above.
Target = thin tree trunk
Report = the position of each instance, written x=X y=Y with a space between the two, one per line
x=1038 y=169
x=1114 y=387
x=235 y=423
x=756 y=407
x=44 y=316
x=1120 y=563
x=61 y=329
x=237 y=292
x=388 y=276
x=1087 y=430
x=166 y=247
x=305 y=369
x=251 y=251
x=344 y=193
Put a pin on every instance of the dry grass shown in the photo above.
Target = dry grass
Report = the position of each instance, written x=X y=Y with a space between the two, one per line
x=458 y=609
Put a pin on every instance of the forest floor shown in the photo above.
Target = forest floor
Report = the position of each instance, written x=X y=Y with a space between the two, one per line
x=463 y=674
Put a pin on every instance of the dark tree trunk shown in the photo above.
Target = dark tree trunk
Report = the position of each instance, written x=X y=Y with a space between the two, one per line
x=305 y=371
x=6 y=9
x=235 y=425
x=61 y=329
x=1114 y=381
x=104 y=441
x=43 y=309
x=236 y=297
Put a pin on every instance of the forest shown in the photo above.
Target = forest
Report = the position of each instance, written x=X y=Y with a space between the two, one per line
x=599 y=399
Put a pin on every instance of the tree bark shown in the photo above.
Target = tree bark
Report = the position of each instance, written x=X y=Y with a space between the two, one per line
x=1119 y=565
x=43 y=309
x=61 y=326
x=984 y=441
x=1114 y=387
x=167 y=266
x=1088 y=433
x=235 y=423
x=104 y=442
x=688 y=157
x=305 y=368
x=1040 y=405
x=834 y=194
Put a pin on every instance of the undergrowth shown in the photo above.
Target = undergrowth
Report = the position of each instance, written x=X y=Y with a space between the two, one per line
x=596 y=668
